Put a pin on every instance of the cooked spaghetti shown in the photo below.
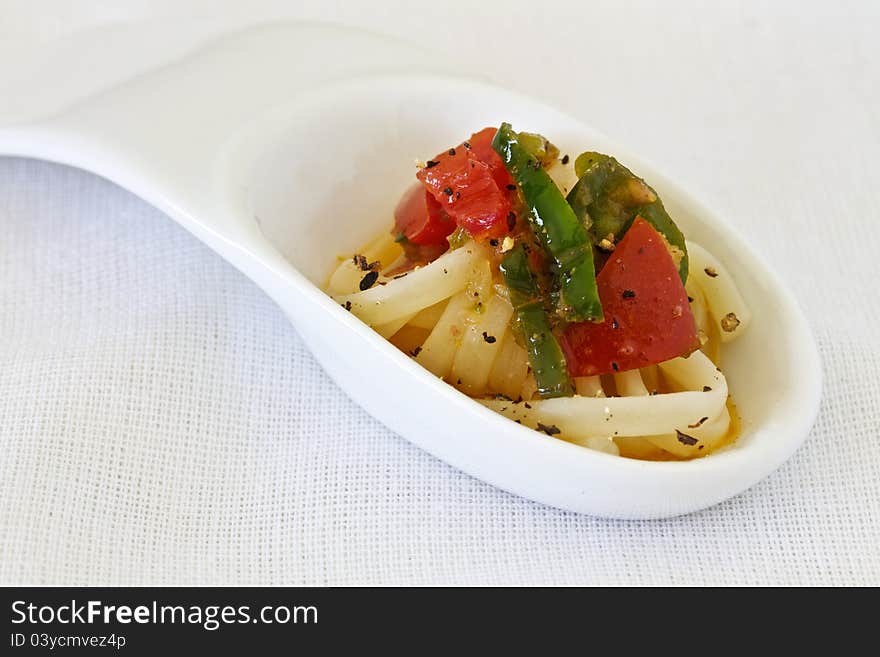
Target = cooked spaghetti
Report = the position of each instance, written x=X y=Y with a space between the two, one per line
x=557 y=293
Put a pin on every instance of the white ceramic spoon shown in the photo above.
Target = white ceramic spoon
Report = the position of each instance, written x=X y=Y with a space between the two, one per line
x=247 y=146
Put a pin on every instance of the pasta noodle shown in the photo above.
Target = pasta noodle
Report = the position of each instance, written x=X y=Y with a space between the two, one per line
x=428 y=317
x=438 y=352
x=589 y=386
x=510 y=369
x=479 y=347
x=582 y=417
x=415 y=291
x=729 y=312
x=387 y=329
x=347 y=276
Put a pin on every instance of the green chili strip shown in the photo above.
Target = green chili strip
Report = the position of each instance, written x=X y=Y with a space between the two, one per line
x=608 y=197
x=545 y=354
x=556 y=227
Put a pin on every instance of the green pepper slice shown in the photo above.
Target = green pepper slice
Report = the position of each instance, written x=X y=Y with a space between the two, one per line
x=545 y=354
x=557 y=228
x=608 y=197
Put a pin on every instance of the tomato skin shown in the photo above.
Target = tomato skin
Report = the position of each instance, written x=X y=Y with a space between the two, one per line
x=647 y=315
x=465 y=188
x=481 y=145
x=421 y=219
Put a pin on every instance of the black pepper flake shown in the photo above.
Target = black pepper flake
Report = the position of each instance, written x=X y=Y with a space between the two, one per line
x=518 y=421
x=565 y=159
x=550 y=431
x=457 y=194
x=415 y=352
x=700 y=447
x=698 y=424
x=362 y=264
x=466 y=145
x=615 y=366
x=527 y=405
x=431 y=163
x=368 y=280
x=489 y=338
x=459 y=382
x=448 y=191
x=511 y=187
x=710 y=272
x=690 y=299
x=452 y=151
x=400 y=275
x=629 y=294
x=685 y=439
x=493 y=242
x=346 y=305
x=707 y=389
x=614 y=323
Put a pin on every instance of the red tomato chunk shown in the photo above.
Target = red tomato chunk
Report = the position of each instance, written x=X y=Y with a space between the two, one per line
x=421 y=219
x=465 y=187
x=481 y=145
x=647 y=316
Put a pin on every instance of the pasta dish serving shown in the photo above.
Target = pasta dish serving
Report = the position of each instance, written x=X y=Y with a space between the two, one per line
x=557 y=291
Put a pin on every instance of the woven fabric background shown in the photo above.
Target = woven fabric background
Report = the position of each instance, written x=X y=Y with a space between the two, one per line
x=161 y=423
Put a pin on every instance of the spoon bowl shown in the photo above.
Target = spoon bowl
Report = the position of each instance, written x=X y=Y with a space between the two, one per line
x=282 y=190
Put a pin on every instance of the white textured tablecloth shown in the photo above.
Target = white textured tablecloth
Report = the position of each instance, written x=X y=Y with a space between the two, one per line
x=161 y=423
